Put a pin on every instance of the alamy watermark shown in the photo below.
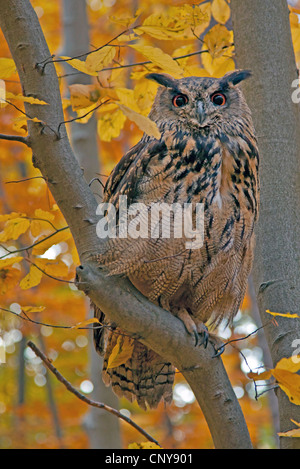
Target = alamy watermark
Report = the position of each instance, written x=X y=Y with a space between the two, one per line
x=296 y=92
x=296 y=352
x=155 y=220
x=2 y=93
x=2 y=350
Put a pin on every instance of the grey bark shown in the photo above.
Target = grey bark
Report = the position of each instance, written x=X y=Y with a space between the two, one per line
x=263 y=44
x=52 y=154
x=103 y=428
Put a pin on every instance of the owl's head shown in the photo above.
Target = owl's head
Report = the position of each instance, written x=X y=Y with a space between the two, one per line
x=200 y=102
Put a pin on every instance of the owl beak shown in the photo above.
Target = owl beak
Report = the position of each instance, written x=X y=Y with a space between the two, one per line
x=200 y=112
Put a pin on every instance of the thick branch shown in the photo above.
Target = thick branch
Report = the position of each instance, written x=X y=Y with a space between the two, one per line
x=15 y=138
x=155 y=327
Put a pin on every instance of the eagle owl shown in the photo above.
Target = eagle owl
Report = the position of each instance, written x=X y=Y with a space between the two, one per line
x=207 y=154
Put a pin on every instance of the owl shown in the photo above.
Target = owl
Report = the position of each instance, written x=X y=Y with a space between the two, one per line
x=206 y=157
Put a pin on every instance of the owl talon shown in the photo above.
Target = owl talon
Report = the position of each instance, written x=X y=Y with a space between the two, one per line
x=189 y=324
x=203 y=332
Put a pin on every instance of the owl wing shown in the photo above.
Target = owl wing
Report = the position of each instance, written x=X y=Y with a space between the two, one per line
x=120 y=170
x=145 y=376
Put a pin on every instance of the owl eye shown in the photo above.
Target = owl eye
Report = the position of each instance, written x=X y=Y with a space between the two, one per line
x=218 y=99
x=180 y=100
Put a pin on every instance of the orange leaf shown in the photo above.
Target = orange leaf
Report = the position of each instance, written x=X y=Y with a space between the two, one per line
x=86 y=323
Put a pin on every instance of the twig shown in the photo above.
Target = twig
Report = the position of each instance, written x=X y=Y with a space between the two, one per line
x=26 y=248
x=146 y=62
x=82 y=397
x=81 y=117
x=25 y=317
x=15 y=138
x=25 y=179
x=85 y=54
x=244 y=337
x=48 y=275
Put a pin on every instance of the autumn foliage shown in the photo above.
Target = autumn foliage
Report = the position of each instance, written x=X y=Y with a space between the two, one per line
x=38 y=297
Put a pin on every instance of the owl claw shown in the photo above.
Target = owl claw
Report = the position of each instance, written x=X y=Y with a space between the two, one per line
x=203 y=332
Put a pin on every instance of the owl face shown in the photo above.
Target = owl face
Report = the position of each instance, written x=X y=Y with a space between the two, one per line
x=199 y=103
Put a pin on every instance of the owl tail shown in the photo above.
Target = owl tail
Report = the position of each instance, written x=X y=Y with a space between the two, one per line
x=134 y=371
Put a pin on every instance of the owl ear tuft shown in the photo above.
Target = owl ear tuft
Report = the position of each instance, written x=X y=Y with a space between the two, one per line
x=236 y=77
x=163 y=79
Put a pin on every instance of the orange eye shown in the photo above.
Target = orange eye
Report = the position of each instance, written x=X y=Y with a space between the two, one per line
x=180 y=100
x=218 y=99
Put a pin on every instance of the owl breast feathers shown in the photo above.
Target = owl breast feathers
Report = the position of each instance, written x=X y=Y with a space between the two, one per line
x=207 y=156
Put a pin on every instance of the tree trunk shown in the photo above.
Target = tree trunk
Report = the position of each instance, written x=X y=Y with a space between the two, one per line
x=103 y=428
x=263 y=44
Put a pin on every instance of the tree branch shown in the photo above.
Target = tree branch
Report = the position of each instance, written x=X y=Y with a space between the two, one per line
x=82 y=397
x=15 y=138
x=116 y=297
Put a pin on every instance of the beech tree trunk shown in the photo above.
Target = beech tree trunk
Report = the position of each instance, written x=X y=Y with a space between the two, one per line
x=103 y=428
x=263 y=44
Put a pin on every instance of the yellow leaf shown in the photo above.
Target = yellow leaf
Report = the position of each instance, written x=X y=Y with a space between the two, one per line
x=291 y=364
x=295 y=30
x=284 y=315
x=9 y=216
x=179 y=22
x=144 y=94
x=14 y=228
x=295 y=433
x=20 y=123
x=57 y=238
x=7 y=68
x=143 y=122
x=110 y=125
x=127 y=98
x=96 y=61
x=10 y=261
x=289 y=383
x=162 y=26
x=161 y=59
x=200 y=16
x=124 y=19
x=44 y=217
x=79 y=65
x=218 y=39
x=85 y=113
x=39 y=213
x=121 y=352
x=32 y=279
x=9 y=278
x=144 y=445
x=86 y=323
x=55 y=267
x=220 y=11
x=260 y=376
x=33 y=309
x=25 y=99
x=218 y=66
x=83 y=96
